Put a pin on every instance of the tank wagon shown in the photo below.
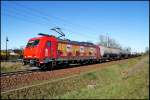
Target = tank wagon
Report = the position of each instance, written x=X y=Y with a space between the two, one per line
x=47 y=51
x=108 y=53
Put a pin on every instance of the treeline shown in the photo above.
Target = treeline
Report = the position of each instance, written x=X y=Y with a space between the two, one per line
x=110 y=42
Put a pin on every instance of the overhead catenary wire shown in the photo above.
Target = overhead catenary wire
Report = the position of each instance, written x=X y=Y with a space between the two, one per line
x=43 y=17
x=56 y=17
x=31 y=21
x=24 y=19
x=46 y=17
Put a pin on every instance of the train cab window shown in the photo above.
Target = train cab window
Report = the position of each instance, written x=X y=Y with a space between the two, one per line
x=48 y=43
x=33 y=43
x=36 y=42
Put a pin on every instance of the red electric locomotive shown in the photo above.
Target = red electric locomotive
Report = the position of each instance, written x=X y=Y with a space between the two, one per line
x=48 y=51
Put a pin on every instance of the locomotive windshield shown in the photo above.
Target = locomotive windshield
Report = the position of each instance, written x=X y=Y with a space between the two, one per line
x=33 y=43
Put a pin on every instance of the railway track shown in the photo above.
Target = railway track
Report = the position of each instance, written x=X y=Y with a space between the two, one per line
x=18 y=73
x=27 y=77
x=7 y=74
x=38 y=70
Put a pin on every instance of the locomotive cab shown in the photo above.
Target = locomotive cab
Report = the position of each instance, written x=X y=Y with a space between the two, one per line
x=40 y=50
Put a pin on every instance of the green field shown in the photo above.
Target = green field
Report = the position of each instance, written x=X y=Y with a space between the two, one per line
x=128 y=80
x=12 y=66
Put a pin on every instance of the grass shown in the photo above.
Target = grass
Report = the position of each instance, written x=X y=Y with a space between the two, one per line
x=103 y=83
x=135 y=87
x=11 y=66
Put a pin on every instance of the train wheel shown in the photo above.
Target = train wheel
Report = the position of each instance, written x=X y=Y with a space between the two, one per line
x=50 y=65
x=24 y=63
x=44 y=67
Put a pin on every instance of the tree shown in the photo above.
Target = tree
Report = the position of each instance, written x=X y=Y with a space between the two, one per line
x=109 y=42
x=103 y=40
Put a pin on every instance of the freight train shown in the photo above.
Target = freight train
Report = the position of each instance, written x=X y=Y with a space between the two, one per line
x=48 y=51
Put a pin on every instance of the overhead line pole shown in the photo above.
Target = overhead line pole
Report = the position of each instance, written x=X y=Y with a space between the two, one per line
x=6 y=48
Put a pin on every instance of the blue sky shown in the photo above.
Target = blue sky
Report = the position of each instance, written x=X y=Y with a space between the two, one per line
x=125 y=21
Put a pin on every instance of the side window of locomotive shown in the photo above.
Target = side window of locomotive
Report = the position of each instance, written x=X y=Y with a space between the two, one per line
x=29 y=43
x=36 y=42
x=81 y=49
x=48 y=44
x=33 y=43
x=68 y=47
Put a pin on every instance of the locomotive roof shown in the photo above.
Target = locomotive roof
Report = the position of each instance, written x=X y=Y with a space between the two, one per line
x=67 y=40
x=75 y=42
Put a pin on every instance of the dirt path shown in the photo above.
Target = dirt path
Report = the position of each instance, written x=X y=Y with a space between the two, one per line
x=134 y=69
